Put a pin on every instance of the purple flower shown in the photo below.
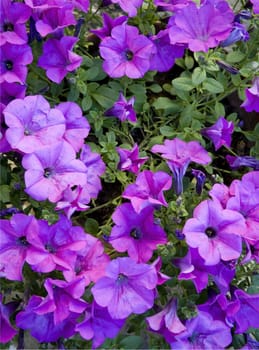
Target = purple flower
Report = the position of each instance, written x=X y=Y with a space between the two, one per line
x=166 y=322
x=238 y=33
x=11 y=91
x=98 y=325
x=56 y=246
x=17 y=238
x=50 y=170
x=129 y=6
x=148 y=189
x=171 y=5
x=130 y=160
x=136 y=233
x=255 y=6
x=13 y=16
x=13 y=62
x=123 y=109
x=58 y=59
x=126 y=52
x=166 y=53
x=32 y=124
x=200 y=180
x=42 y=326
x=7 y=331
x=202 y=332
x=54 y=19
x=215 y=231
x=4 y=144
x=251 y=102
x=211 y=23
x=219 y=133
x=179 y=154
x=238 y=161
x=77 y=126
x=126 y=288
x=108 y=24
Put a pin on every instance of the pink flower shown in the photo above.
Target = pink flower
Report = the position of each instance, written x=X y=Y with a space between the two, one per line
x=130 y=160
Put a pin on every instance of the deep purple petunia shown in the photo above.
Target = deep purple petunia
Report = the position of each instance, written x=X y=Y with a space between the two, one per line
x=108 y=24
x=42 y=326
x=238 y=33
x=7 y=330
x=148 y=189
x=13 y=16
x=126 y=52
x=179 y=154
x=126 y=288
x=58 y=59
x=4 y=144
x=51 y=169
x=11 y=91
x=219 y=133
x=77 y=126
x=32 y=124
x=236 y=162
x=215 y=231
x=202 y=332
x=200 y=180
x=251 y=102
x=13 y=62
x=98 y=325
x=123 y=109
x=136 y=233
x=171 y=5
x=211 y=23
x=130 y=160
x=129 y=6
x=255 y=6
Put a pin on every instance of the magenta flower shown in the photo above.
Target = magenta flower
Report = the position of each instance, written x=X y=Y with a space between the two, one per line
x=4 y=144
x=32 y=124
x=108 y=24
x=251 y=102
x=58 y=59
x=11 y=91
x=130 y=160
x=171 y=5
x=136 y=233
x=50 y=170
x=123 y=109
x=77 y=126
x=179 y=154
x=7 y=330
x=255 y=6
x=129 y=6
x=211 y=23
x=215 y=231
x=203 y=332
x=42 y=326
x=126 y=288
x=13 y=62
x=98 y=325
x=148 y=189
x=166 y=322
x=219 y=133
x=13 y=16
x=126 y=52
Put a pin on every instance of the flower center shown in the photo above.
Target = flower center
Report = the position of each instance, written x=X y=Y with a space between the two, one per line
x=121 y=279
x=210 y=232
x=8 y=27
x=50 y=248
x=8 y=65
x=136 y=233
x=129 y=55
x=47 y=173
x=23 y=241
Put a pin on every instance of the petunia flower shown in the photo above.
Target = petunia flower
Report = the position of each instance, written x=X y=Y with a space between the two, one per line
x=126 y=52
x=123 y=109
x=171 y=5
x=148 y=189
x=11 y=91
x=7 y=330
x=130 y=160
x=219 y=133
x=211 y=23
x=58 y=59
x=238 y=33
x=126 y=288
x=255 y=6
x=251 y=102
x=108 y=24
x=136 y=233
x=129 y=6
x=238 y=161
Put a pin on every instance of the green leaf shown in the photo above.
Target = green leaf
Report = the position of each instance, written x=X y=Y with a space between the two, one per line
x=198 y=76
x=155 y=88
x=104 y=96
x=167 y=131
x=235 y=56
x=183 y=84
x=166 y=103
x=219 y=109
x=189 y=62
x=91 y=226
x=132 y=342
x=4 y=193
x=86 y=103
x=212 y=85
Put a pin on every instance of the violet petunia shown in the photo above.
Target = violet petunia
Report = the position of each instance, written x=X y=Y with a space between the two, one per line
x=7 y=330
x=129 y=6
x=126 y=52
x=255 y=6
x=216 y=232
x=32 y=124
x=126 y=288
x=171 y=5
x=11 y=91
x=130 y=160
x=58 y=59
x=4 y=144
x=219 y=133
x=51 y=169
x=251 y=102
x=148 y=189
x=236 y=162
x=123 y=109
x=108 y=24
x=211 y=23
x=136 y=233
x=238 y=33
